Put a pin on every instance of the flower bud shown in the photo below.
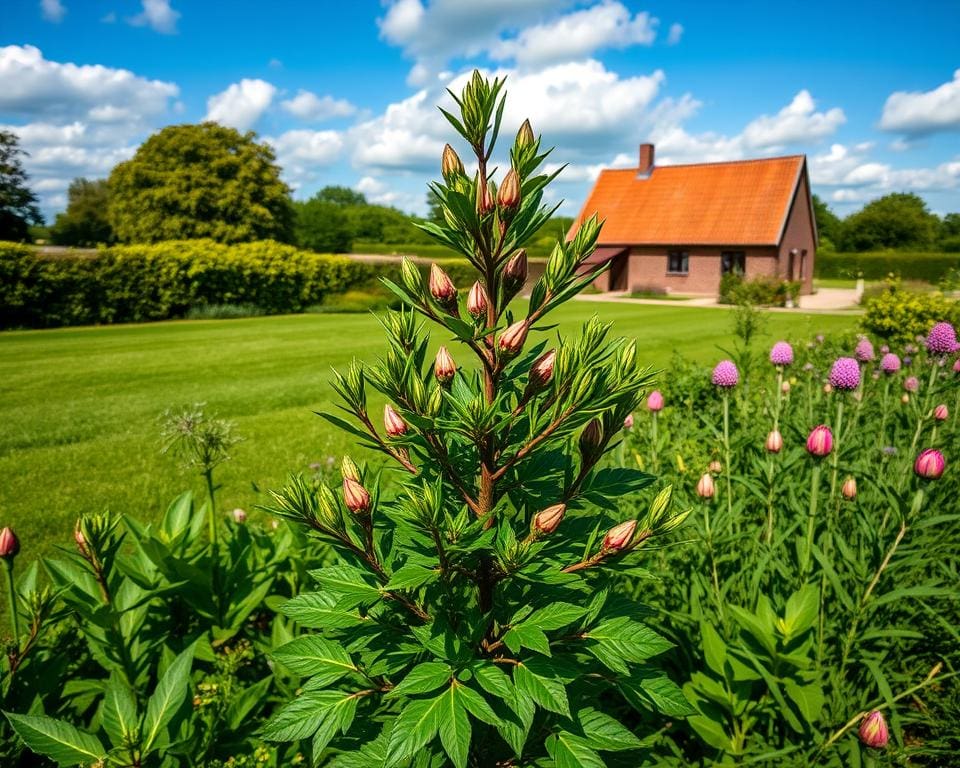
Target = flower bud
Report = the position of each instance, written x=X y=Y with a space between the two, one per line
x=619 y=536
x=9 y=544
x=591 y=438
x=655 y=401
x=239 y=516
x=911 y=384
x=477 y=300
x=956 y=365
x=827 y=388
x=525 y=135
x=450 y=165
x=774 y=441
x=873 y=730
x=849 y=488
x=412 y=278
x=785 y=387
x=349 y=469
x=929 y=464
x=515 y=273
x=485 y=202
x=820 y=441
x=512 y=339
x=715 y=467
x=443 y=367
x=705 y=487
x=940 y=413
x=547 y=520
x=542 y=370
x=441 y=287
x=393 y=422
x=508 y=196
x=628 y=422
x=904 y=398
x=355 y=496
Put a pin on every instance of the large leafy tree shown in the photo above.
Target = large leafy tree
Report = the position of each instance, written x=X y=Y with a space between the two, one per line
x=898 y=220
x=85 y=221
x=829 y=225
x=18 y=204
x=322 y=226
x=193 y=181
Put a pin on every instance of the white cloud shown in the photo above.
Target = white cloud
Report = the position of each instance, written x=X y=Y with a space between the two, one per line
x=577 y=35
x=158 y=15
x=109 y=18
x=796 y=123
x=52 y=10
x=302 y=154
x=675 y=33
x=917 y=113
x=308 y=106
x=35 y=87
x=242 y=104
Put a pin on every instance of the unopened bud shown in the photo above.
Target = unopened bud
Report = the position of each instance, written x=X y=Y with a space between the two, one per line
x=619 y=536
x=412 y=278
x=349 y=469
x=820 y=441
x=591 y=438
x=477 y=300
x=525 y=135
x=441 y=287
x=355 y=496
x=940 y=413
x=849 y=488
x=508 y=196
x=547 y=520
x=628 y=422
x=774 y=441
x=929 y=464
x=904 y=398
x=705 y=486
x=239 y=516
x=542 y=370
x=655 y=401
x=450 y=165
x=515 y=272
x=785 y=387
x=827 y=388
x=715 y=467
x=9 y=544
x=873 y=730
x=512 y=339
x=393 y=423
x=443 y=367
x=485 y=202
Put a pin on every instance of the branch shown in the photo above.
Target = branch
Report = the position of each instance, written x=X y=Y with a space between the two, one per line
x=530 y=446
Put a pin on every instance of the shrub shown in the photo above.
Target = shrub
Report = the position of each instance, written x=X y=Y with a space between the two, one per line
x=876 y=265
x=760 y=291
x=135 y=283
x=899 y=315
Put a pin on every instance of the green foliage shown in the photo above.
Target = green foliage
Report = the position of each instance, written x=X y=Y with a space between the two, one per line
x=760 y=291
x=900 y=315
x=155 y=282
x=18 y=204
x=200 y=181
x=85 y=221
x=897 y=220
x=909 y=265
x=829 y=225
x=322 y=226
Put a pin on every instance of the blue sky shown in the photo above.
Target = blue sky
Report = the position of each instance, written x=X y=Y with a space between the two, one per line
x=346 y=91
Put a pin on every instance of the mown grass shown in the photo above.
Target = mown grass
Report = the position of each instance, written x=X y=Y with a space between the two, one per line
x=80 y=406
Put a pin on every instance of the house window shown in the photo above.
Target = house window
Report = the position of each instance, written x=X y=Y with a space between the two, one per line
x=678 y=262
x=733 y=261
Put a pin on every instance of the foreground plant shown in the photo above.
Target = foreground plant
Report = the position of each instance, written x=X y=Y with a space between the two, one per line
x=473 y=614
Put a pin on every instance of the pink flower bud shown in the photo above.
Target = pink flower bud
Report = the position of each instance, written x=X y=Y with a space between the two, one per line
x=619 y=536
x=849 y=489
x=940 y=413
x=9 y=544
x=705 y=487
x=820 y=441
x=393 y=422
x=508 y=196
x=547 y=520
x=774 y=441
x=655 y=401
x=443 y=367
x=239 y=516
x=911 y=384
x=873 y=730
x=441 y=286
x=929 y=464
x=628 y=422
x=515 y=272
x=355 y=496
x=591 y=437
x=450 y=164
x=785 y=387
x=485 y=204
x=511 y=340
x=542 y=369
x=956 y=365
x=477 y=300
x=715 y=467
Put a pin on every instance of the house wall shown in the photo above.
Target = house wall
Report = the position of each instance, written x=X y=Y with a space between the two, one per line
x=648 y=268
x=798 y=233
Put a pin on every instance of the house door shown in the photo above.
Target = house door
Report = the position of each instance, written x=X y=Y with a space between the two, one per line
x=733 y=261
x=619 y=271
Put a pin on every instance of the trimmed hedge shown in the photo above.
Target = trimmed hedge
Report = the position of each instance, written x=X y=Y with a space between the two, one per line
x=137 y=283
x=760 y=291
x=876 y=265
x=899 y=315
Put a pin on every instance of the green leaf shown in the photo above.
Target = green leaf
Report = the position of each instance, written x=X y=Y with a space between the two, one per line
x=619 y=640
x=118 y=713
x=477 y=706
x=711 y=732
x=808 y=698
x=347 y=581
x=168 y=696
x=527 y=636
x=313 y=712
x=544 y=688
x=423 y=678
x=414 y=727
x=568 y=751
x=603 y=732
x=803 y=606
x=714 y=649
x=455 y=726
x=315 y=610
x=315 y=655
x=411 y=577
x=756 y=627
x=665 y=695
x=59 y=741
x=555 y=616
x=244 y=702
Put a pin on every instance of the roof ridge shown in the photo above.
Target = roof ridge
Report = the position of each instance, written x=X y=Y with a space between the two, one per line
x=742 y=161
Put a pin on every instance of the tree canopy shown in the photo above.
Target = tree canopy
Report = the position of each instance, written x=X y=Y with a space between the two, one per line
x=898 y=220
x=85 y=221
x=18 y=204
x=206 y=180
x=322 y=226
x=829 y=225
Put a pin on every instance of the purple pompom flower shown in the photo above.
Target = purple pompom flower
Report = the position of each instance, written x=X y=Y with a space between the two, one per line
x=890 y=363
x=781 y=354
x=942 y=339
x=845 y=373
x=726 y=374
x=864 y=351
x=911 y=384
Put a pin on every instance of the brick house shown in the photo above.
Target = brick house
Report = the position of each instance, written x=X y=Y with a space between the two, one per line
x=678 y=228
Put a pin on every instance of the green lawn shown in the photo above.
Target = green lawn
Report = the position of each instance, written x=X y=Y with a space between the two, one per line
x=80 y=406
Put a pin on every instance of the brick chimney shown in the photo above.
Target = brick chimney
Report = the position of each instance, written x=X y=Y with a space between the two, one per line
x=646 y=159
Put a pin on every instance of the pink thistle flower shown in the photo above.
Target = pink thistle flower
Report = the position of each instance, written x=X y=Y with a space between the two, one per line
x=725 y=375
x=781 y=354
x=845 y=374
x=820 y=441
x=655 y=401
x=942 y=339
x=889 y=363
x=929 y=464
x=911 y=384
x=864 y=351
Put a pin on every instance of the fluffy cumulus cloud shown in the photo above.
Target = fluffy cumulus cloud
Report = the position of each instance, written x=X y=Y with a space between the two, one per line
x=158 y=15
x=304 y=154
x=308 y=106
x=918 y=113
x=796 y=123
x=242 y=104
x=675 y=33
x=52 y=10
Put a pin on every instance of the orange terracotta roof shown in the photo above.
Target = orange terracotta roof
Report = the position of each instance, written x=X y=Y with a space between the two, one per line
x=737 y=203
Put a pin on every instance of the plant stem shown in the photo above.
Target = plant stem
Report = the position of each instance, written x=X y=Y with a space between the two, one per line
x=771 y=475
x=835 y=458
x=655 y=462
x=713 y=561
x=208 y=476
x=12 y=595
x=726 y=452
x=924 y=411
x=811 y=518
x=883 y=413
